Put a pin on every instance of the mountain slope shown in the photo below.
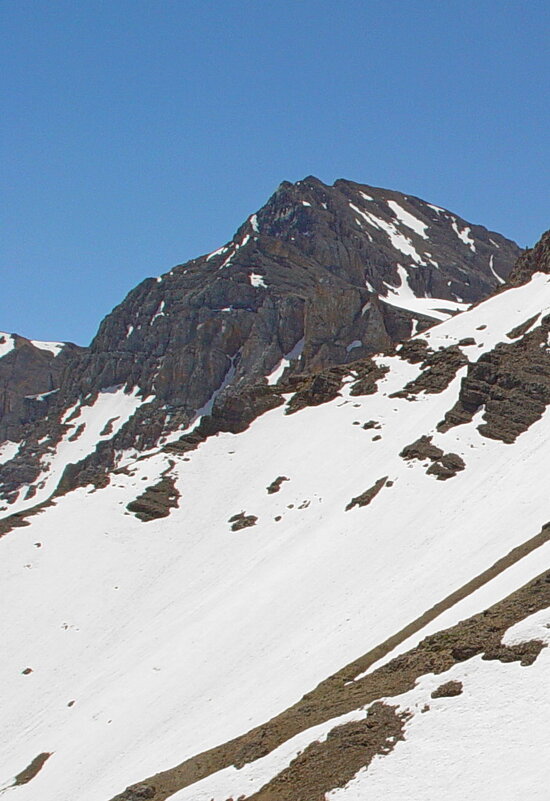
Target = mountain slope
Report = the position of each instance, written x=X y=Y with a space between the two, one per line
x=380 y=502
x=320 y=276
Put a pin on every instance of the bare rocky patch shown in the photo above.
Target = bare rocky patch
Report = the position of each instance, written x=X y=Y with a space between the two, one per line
x=438 y=370
x=77 y=433
x=511 y=382
x=157 y=501
x=32 y=769
x=20 y=519
x=414 y=351
x=333 y=763
x=443 y=465
x=314 y=390
x=366 y=497
x=241 y=521
x=521 y=329
x=108 y=427
x=370 y=424
x=448 y=690
x=138 y=792
x=276 y=484
x=368 y=374
x=534 y=260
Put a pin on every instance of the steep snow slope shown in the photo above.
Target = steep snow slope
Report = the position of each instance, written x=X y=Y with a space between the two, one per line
x=129 y=646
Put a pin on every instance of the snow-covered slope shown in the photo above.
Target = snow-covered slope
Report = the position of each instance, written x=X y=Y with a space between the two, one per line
x=296 y=550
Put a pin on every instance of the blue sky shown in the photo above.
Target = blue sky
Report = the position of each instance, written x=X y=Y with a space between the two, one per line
x=138 y=134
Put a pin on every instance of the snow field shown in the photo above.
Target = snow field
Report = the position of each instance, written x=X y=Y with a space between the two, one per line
x=179 y=634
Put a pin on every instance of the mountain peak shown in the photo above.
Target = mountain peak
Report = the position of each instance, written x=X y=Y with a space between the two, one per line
x=319 y=276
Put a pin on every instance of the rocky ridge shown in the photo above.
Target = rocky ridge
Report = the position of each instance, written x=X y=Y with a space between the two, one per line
x=319 y=276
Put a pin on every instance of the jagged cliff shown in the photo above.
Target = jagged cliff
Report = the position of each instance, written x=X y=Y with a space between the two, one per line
x=30 y=372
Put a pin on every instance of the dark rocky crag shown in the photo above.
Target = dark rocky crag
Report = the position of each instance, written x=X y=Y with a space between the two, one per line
x=29 y=376
x=511 y=383
x=308 y=277
x=307 y=266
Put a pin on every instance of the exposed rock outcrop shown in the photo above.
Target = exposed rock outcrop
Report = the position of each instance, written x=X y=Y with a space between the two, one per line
x=30 y=376
x=512 y=385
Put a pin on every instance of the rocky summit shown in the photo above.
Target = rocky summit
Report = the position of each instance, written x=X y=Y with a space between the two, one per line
x=319 y=276
x=281 y=532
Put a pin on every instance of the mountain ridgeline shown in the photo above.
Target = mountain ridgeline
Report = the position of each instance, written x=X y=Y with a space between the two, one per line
x=319 y=276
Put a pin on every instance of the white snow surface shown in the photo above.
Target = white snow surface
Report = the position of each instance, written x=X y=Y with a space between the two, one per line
x=404 y=298
x=464 y=235
x=408 y=219
x=7 y=345
x=257 y=280
x=398 y=240
x=279 y=368
x=176 y=635
x=53 y=347
x=8 y=450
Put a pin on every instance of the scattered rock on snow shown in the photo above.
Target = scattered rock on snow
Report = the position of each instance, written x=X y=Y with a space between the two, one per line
x=275 y=485
x=242 y=521
x=448 y=690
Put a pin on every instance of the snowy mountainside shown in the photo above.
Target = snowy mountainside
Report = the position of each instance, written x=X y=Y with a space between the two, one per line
x=298 y=610
x=319 y=276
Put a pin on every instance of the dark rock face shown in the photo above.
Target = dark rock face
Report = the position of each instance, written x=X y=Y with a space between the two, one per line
x=29 y=378
x=512 y=382
x=137 y=792
x=311 y=272
x=534 y=260
x=240 y=521
x=275 y=485
x=438 y=370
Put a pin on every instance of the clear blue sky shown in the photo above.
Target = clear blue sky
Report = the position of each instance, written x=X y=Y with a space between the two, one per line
x=138 y=134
